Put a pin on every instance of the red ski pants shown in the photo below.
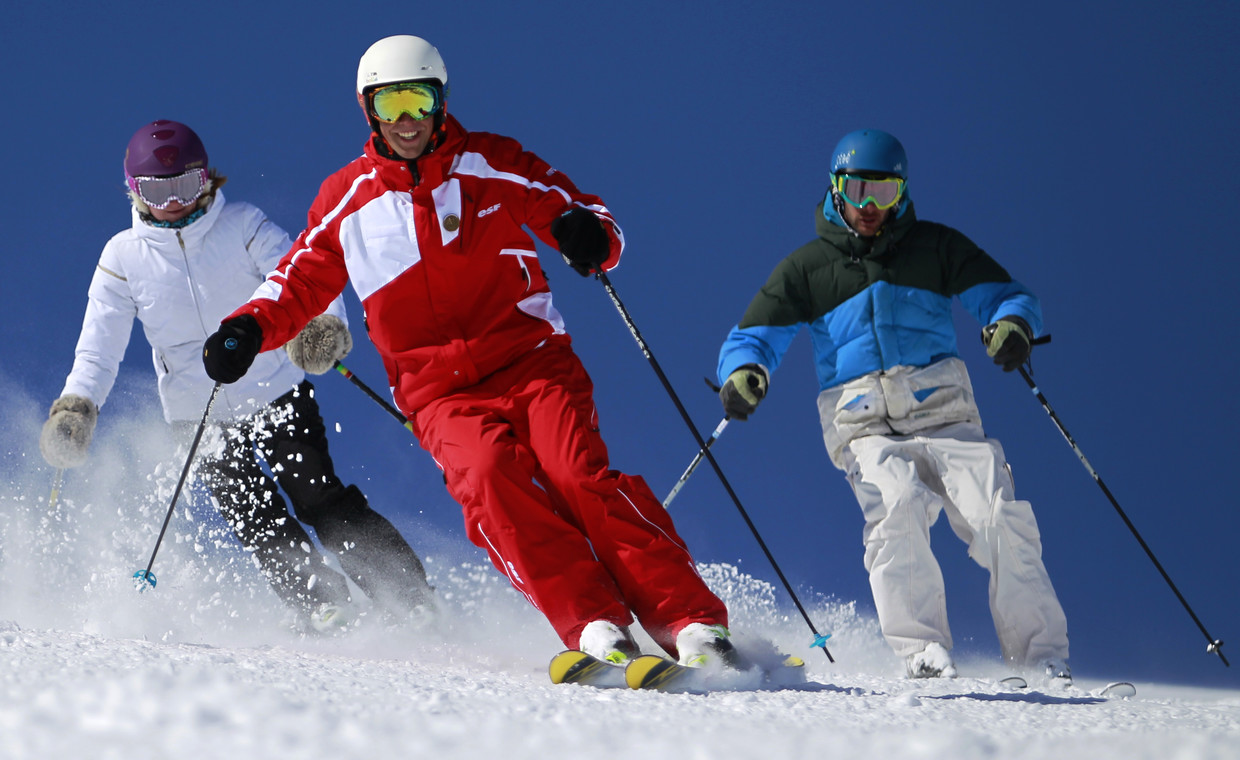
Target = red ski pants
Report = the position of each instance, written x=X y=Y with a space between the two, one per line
x=522 y=454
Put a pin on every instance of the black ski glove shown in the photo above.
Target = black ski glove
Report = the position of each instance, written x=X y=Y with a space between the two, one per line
x=742 y=391
x=583 y=241
x=1009 y=341
x=229 y=352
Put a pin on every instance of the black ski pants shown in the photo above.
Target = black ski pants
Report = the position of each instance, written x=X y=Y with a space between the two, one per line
x=289 y=436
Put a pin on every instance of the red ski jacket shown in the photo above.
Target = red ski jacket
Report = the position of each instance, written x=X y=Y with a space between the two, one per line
x=450 y=282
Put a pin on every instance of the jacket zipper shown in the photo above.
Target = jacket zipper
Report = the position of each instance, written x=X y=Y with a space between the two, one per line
x=193 y=291
x=882 y=360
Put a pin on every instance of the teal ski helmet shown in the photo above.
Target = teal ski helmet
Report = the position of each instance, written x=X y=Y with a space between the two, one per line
x=870 y=150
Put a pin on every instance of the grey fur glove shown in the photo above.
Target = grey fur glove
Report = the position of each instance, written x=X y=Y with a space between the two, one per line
x=318 y=346
x=66 y=434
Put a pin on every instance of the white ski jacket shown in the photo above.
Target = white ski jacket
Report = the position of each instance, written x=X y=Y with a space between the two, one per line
x=180 y=283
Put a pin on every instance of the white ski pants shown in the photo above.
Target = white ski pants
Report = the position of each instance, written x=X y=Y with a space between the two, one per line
x=903 y=483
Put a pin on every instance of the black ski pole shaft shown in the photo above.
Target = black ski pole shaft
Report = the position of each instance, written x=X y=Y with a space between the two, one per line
x=375 y=396
x=189 y=459
x=1215 y=646
x=705 y=449
x=696 y=461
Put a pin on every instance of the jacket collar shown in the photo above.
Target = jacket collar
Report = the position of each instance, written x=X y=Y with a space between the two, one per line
x=432 y=168
x=832 y=228
x=190 y=234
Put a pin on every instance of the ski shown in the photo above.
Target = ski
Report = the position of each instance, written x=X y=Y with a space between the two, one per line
x=575 y=666
x=1113 y=690
x=1117 y=690
x=1008 y=683
x=652 y=672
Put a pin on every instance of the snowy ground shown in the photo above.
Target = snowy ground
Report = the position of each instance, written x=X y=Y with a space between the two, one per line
x=156 y=676
x=205 y=666
x=73 y=694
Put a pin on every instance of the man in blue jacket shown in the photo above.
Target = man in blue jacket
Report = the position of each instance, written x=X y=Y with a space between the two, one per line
x=875 y=289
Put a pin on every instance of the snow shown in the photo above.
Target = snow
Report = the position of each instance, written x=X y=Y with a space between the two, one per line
x=135 y=688
x=206 y=665
x=71 y=694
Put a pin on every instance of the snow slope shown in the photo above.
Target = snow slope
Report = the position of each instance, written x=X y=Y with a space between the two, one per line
x=73 y=694
x=206 y=666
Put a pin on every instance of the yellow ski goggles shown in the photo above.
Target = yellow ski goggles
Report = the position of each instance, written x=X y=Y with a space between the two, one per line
x=883 y=192
x=419 y=100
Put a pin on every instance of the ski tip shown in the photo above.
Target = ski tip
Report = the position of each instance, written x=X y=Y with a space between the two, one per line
x=1119 y=689
x=1014 y=682
x=573 y=666
x=790 y=671
x=648 y=671
x=567 y=664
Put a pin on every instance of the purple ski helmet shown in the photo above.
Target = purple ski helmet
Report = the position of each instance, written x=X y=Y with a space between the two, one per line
x=163 y=148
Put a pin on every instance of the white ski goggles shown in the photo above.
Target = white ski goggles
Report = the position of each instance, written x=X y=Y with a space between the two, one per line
x=160 y=192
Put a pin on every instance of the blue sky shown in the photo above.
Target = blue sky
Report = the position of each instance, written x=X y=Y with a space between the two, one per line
x=1088 y=146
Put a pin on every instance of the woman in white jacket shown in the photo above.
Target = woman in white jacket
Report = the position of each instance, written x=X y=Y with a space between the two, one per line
x=187 y=260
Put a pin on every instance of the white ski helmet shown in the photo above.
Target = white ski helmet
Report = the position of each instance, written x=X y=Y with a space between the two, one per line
x=402 y=58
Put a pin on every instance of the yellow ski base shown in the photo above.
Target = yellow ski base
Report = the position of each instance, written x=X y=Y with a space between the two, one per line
x=652 y=672
x=575 y=666
x=663 y=674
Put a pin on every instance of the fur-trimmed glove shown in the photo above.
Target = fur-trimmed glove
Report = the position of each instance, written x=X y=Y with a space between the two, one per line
x=582 y=239
x=324 y=340
x=742 y=391
x=1009 y=341
x=66 y=434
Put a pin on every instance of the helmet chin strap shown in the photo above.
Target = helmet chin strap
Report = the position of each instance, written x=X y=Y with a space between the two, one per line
x=382 y=147
x=380 y=142
x=838 y=203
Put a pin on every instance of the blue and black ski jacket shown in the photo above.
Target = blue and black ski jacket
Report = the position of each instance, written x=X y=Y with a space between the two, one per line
x=872 y=304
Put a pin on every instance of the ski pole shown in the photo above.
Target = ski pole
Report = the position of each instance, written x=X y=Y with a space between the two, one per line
x=144 y=579
x=1215 y=646
x=377 y=398
x=704 y=448
x=58 y=480
x=696 y=461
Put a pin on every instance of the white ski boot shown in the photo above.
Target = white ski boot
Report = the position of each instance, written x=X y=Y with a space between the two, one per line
x=1056 y=671
x=608 y=642
x=701 y=645
x=932 y=662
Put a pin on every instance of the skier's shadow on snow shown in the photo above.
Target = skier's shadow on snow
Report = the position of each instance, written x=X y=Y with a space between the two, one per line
x=816 y=686
x=1031 y=697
